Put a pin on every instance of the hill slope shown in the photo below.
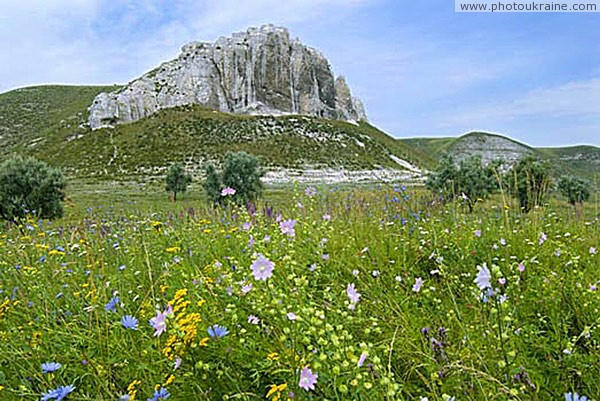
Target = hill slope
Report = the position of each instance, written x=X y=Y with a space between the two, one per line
x=55 y=132
x=581 y=161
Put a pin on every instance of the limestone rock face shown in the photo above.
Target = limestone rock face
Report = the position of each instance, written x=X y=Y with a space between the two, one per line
x=260 y=71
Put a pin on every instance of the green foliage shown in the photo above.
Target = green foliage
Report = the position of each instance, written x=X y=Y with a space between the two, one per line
x=574 y=189
x=30 y=186
x=242 y=172
x=212 y=184
x=177 y=180
x=531 y=182
x=471 y=180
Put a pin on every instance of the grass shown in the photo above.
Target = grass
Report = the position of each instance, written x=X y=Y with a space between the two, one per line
x=534 y=336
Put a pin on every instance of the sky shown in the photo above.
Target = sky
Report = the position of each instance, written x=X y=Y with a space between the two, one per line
x=420 y=68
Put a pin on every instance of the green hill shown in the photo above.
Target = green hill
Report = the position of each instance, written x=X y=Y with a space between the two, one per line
x=49 y=122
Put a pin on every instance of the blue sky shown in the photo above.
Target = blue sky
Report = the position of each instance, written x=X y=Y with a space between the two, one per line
x=420 y=68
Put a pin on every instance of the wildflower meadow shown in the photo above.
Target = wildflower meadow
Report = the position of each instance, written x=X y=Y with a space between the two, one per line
x=323 y=293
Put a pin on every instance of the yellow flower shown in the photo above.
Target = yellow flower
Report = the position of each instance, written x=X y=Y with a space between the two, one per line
x=273 y=356
x=173 y=249
x=170 y=380
x=204 y=341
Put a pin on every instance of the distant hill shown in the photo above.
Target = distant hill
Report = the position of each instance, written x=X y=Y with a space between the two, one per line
x=49 y=122
x=582 y=161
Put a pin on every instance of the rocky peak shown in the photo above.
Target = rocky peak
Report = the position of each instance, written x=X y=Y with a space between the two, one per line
x=259 y=71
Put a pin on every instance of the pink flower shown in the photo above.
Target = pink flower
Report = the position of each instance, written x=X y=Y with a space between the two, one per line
x=262 y=268
x=159 y=322
x=352 y=293
x=287 y=227
x=362 y=359
x=418 y=283
x=228 y=191
x=246 y=289
x=308 y=379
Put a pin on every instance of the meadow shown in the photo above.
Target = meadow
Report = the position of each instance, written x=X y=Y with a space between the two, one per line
x=326 y=293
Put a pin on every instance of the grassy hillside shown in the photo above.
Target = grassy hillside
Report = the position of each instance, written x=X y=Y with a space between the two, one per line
x=582 y=161
x=49 y=123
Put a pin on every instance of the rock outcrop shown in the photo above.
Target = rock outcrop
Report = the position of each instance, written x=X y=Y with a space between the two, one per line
x=260 y=71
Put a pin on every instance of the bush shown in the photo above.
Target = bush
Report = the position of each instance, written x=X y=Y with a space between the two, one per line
x=241 y=172
x=574 y=189
x=471 y=180
x=30 y=186
x=531 y=182
x=177 y=180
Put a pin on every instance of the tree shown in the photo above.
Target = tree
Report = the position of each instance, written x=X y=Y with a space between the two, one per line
x=177 y=180
x=574 y=189
x=470 y=180
x=531 y=181
x=212 y=184
x=27 y=186
x=241 y=176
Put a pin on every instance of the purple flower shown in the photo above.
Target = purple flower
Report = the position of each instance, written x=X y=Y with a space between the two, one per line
x=362 y=359
x=160 y=394
x=246 y=289
x=58 y=393
x=177 y=363
x=308 y=379
x=262 y=268
x=129 y=322
x=352 y=293
x=246 y=226
x=542 y=239
x=327 y=217
x=287 y=227
x=50 y=367
x=216 y=331
x=521 y=267
x=575 y=397
x=292 y=316
x=592 y=250
x=478 y=233
x=159 y=322
x=228 y=191
x=418 y=283
x=253 y=319
x=111 y=306
x=483 y=277
x=310 y=191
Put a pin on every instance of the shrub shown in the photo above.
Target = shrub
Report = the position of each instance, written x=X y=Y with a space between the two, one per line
x=471 y=180
x=241 y=172
x=574 y=189
x=531 y=182
x=28 y=185
x=177 y=180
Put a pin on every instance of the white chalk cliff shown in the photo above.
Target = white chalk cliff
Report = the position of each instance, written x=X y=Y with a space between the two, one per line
x=260 y=71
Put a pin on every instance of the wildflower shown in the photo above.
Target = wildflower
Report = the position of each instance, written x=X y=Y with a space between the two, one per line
x=129 y=322
x=253 y=319
x=177 y=363
x=291 y=316
x=375 y=273
x=592 y=250
x=50 y=367
x=312 y=267
x=246 y=226
x=418 y=283
x=216 y=331
x=575 y=397
x=246 y=289
x=310 y=191
x=352 y=293
x=502 y=241
x=362 y=359
x=287 y=228
x=228 y=191
x=398 y=279
x=327 y=217
x=308 y=379
x=125 y=397
x=542 y=239
x=325 y=256
x=159 y=322
x=521 y=267
x=478 y=233
x=160 y=394
x=111 y=306
x=355 y=272
x=58 y=393
x=483 y=277
x=262 y=268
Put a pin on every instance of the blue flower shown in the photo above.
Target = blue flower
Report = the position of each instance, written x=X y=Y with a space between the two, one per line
x=50 y=367
x=161 y=394
x=58 y=393
x=216 y=331
x=129 y=322
x=111 y=306
x=575 y=397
